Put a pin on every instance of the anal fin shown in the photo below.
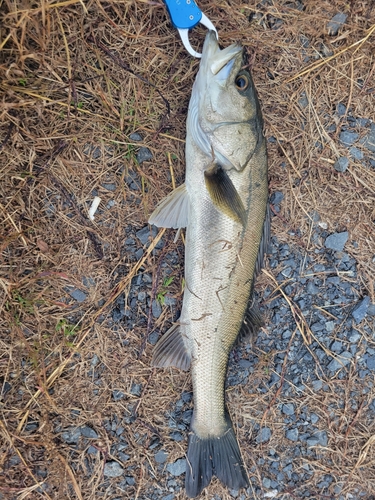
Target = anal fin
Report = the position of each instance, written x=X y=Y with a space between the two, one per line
x=171 y=350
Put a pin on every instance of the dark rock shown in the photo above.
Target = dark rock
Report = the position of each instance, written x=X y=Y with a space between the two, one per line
x=113 y=469
x=356 y=153
x=370 y=362
x=360 y=310
x=348 y=138
x=135 y=137
x=144 y=154
x=341 y=164
x=288 y=409
x=136 y=389
x=341 y=360
x=161 y=456
x=292 y=434
x=336 y=23
x=322 y=437
x=88 y=432
x=341 y=109
x=117 y=395
x=156 y=308
x=178 y=467
x=71 y=435
x=264 y=435
x=109 y=186
x=369 y=140
x=336 y=241
x=276 y=198
x=78 y=295
x=176 y=436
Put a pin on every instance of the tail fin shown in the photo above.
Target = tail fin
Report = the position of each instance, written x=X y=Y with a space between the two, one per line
x=214 y=456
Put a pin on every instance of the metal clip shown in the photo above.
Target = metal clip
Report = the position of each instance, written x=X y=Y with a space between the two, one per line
x=185 y=14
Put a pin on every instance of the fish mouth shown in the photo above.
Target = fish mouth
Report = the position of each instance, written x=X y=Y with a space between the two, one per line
x=215 y=59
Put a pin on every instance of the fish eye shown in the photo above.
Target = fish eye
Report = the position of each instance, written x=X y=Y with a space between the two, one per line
x=242 y=82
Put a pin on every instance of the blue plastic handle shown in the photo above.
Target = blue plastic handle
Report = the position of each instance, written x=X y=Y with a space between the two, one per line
x=185 y=14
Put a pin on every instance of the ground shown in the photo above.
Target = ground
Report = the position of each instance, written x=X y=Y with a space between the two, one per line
x=94 y=100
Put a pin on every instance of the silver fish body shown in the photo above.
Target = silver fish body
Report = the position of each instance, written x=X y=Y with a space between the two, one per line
x=223 y=205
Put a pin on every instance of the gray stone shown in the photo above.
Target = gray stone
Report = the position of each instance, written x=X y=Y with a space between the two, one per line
x=78 y=295
x=354 y=337
x=336 y=241
x=360 y=310
x=263 y=435
x=348 y=138
x=292 y=434
x=341 y=109
x=136 y=389
x=356 y=153
x=288 y=409
x=341 y=164
x=130 y=480
x=266 y=482
x=135 y=137
x=142 y=296
x=322 y=437
x=171 y=496
x=336 y=346
x=314 y=418
x=113 y=469
x=145 y=234
x=109 y=186
x=156 y=309
x=144 y=154
x=370 y=362
x=161 y=456
x=336 y=23
x=369 y=140
x=117 y=395
x=91 y=450
x=330 y=326
x=178 y=467
x=341 y=360
x=88 y=432
x=276 y=198
x=71 y=435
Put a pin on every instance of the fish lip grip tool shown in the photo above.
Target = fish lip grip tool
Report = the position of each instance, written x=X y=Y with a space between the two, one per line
x=185 y=14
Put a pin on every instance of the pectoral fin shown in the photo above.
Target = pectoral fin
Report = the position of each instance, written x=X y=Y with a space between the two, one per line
x=223 y=194
x=173 y=210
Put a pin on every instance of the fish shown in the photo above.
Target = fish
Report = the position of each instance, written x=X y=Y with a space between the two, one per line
x=223 y=205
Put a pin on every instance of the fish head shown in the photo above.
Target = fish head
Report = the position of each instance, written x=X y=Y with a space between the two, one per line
x=224 y=113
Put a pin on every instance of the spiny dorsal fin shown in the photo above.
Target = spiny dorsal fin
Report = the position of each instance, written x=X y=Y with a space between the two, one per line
x=223 y=193
x=173 y=210
x=171 y=350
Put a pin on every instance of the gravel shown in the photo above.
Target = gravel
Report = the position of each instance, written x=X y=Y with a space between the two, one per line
x=342 y=164
x=113 y=469
x=177 y=468
x=292 y=434
x=144 y=154
x=78 y=295
x=336 y=23
x=264 y=435
x=336 y=241
x=360 y=311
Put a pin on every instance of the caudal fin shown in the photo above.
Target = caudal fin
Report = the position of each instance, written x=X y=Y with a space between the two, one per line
x=214 y=456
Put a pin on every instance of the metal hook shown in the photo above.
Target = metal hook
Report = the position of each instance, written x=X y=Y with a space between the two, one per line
x=184 y=34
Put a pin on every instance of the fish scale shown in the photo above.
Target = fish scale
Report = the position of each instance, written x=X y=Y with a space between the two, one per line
x=223 y=205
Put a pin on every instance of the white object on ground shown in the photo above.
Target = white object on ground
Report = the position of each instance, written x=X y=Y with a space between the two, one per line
x=94 y=207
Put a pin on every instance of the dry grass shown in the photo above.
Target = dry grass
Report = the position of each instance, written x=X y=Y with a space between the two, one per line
x=71 y=94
